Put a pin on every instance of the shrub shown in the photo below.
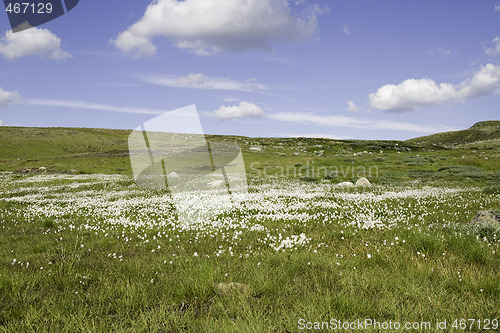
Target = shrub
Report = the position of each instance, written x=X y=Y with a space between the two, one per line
x=331 y=175
x=465 y=171
x=48 y=223
x=373 y=148
x=493 y=189
x=308 y=179
x=460 y=168
x=488 y=230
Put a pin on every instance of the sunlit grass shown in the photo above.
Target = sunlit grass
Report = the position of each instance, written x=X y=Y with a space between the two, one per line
x=94 y=252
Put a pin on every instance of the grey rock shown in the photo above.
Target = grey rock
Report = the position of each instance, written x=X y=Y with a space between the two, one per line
x=363 y=182
x=345 y=184
x=232 y=288
x=487 y=216
x=173 y=175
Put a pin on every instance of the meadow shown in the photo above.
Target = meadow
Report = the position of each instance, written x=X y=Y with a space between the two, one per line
x=82 y=248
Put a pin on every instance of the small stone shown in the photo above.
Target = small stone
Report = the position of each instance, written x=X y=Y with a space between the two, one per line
x=363 y=182
x=345 y=184
x=173 y=175
x=487 y=216
x=232 y=288
x=216 y=183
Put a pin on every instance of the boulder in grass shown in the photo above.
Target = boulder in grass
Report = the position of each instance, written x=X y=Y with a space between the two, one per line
x=216 y=183
x=345 y=184
x=487 y=217
x=173 y=175
x=363 y=182
x=232 y=289
x=42 y=169
x=255 y=148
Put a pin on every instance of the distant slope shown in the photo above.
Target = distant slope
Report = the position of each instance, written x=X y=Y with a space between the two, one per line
x=62 y=148
x=91 y=150
x=35 y=142
x=485 y=134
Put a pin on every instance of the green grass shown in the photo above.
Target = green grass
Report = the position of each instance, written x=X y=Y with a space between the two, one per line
x=86 y=151
x=426 y=267
x=89 y=273
x=482 y=135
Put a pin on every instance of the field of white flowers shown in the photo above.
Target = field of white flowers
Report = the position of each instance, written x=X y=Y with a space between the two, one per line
x=102 y=245
x=283 y=216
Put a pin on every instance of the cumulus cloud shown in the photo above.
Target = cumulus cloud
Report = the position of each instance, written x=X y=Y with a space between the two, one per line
x=208 y=26
x=351 y=107
x=32 y=42
x=243 y=110
x=496 y=9
x=359 y=123
x=495 y=48
x=8 y=97
x=413 y=93
x=201 y=81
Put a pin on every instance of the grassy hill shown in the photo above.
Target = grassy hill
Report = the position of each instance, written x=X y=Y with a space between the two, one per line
x=485 y=134
x=63 y=149
x=93 y=252
x=89 y=150
x=470 y=155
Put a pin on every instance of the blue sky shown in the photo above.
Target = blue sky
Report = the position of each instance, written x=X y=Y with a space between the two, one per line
x=340 y=69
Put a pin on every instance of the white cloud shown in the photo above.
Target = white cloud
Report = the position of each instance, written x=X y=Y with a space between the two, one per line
x=482 y=83
x=8 y=97
x=439 y=51
x=413 y=93
x=496 y=9
x=495 y=49
x=90 y=106
x=243 y=110
x=352 y=122
x=201 y=81
x=1 y=122
x=410 y=94
x=32 y=42
x=208 y=26
x=351 y=107
x=346 y=29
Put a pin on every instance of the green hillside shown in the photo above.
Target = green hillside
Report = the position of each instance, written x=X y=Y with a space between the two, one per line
x=89 y=150
x=470 y=155
x=485 y=134
x=62 y=149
